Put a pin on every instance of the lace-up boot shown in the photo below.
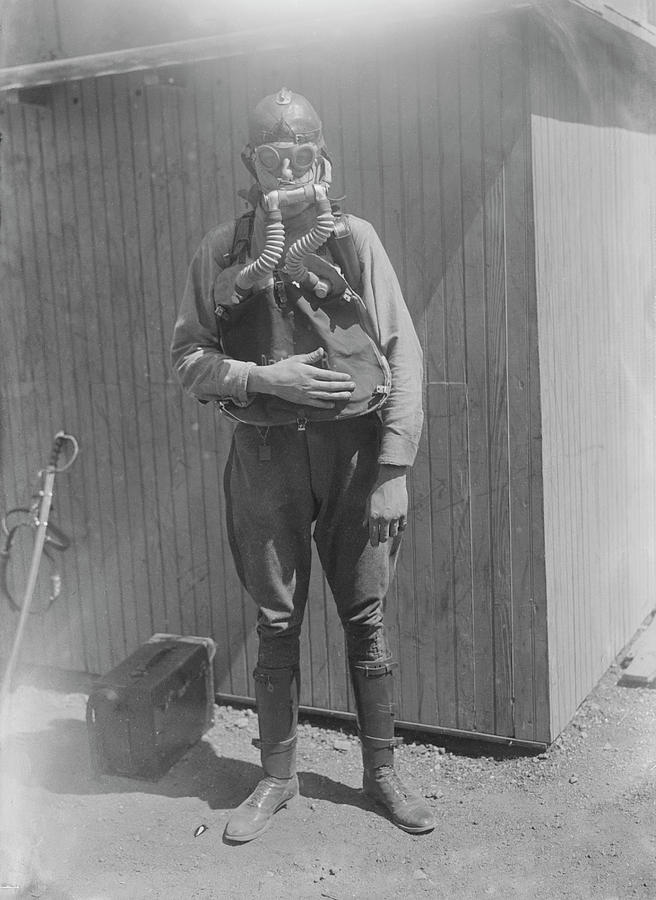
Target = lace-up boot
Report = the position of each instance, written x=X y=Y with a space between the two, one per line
x=407 y=809
x=254 y=815
x=373 y=684
x=276 y=695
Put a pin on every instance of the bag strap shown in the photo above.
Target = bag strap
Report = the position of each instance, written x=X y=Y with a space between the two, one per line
x=342 y=249
x=241 y=241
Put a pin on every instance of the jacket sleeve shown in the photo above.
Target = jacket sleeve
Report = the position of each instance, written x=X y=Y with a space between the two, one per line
x=402 y=414
x=198 y=361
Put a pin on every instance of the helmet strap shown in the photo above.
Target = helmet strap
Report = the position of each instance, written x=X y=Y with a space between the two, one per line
x=247 y=159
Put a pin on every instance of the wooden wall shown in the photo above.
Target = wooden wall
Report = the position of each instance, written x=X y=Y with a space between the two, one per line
x=106 y=193
x=594 y=150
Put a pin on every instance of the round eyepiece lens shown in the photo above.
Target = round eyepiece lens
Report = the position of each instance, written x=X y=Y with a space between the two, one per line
x=268 y=157
x=304 y=157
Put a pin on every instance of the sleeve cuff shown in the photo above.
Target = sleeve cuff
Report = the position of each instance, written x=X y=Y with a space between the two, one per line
x=396 y=450
x=234 y=382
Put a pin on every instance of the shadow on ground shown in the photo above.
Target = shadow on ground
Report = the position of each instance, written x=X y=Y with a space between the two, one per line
x=58 y=760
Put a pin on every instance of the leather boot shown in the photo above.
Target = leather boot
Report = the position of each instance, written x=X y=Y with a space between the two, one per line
x=276 y=696
x=373 y=686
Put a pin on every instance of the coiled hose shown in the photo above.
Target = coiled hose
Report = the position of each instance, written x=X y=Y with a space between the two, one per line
x=274 y=244
x=309 y=243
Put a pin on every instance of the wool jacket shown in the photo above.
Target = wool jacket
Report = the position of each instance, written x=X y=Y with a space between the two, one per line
x=208 y=374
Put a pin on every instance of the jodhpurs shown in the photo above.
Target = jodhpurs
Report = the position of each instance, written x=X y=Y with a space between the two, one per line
x=283 y=487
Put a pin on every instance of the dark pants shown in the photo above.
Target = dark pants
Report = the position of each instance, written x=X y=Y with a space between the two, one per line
x=281 y=483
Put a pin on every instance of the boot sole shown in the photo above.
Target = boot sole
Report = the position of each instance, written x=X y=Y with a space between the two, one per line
x=244 y=838
x=409 y=829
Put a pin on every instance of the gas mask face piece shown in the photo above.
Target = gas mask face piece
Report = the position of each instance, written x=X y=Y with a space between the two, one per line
x=282 y=164
x=286 y=146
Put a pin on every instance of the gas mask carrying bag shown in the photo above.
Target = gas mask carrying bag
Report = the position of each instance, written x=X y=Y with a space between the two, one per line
x=283 y=319
x=148 y=711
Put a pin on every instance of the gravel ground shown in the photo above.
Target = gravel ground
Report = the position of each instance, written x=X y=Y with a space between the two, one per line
x=577 y=821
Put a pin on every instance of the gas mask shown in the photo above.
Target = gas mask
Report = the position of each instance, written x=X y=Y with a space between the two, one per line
x=286 y=147
x=286 y=155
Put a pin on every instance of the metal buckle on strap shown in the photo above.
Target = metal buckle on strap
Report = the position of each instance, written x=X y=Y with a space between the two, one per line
x=376 y=743
x=259 y=744
x=374 y=669
x=264 y=678
x=279 y=292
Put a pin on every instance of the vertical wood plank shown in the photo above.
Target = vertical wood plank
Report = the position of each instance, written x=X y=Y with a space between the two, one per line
x=451 y=526
x=192 y=562
x=172 y=461
x=497 y=338
x=37 y=429
x=67 y=642
x=162 y=549
x=105 y=392
x=475 y=623
x=431 y=243
x=532 y=699
x=76 y=350
x=139 y=440
x=125 y=342
x=90 y=532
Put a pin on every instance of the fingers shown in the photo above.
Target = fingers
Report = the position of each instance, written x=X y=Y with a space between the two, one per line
x=330 y=392
x=331 y=398
x=329 y=387
x=397 y=526
x=328 y=375
x=380 y=529
x=316 y=356
x=324 y=402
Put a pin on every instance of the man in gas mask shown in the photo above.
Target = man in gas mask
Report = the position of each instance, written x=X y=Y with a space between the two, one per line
x=294 y=323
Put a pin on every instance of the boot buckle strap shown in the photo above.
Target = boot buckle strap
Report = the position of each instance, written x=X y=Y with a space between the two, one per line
x=376 y=743
x=375 y=670
x=259 y=744
x=265 y=679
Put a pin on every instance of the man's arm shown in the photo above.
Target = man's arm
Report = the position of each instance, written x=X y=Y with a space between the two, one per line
x=198 y=361
x=402 y=414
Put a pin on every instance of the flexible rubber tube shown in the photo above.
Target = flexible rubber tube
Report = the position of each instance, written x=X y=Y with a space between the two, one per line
x=274 y=244
x=311 y=241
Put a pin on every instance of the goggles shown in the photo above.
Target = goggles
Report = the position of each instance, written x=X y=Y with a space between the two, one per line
x=301 y=156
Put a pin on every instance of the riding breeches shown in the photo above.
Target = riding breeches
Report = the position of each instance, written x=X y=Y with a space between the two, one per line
x=285 y=486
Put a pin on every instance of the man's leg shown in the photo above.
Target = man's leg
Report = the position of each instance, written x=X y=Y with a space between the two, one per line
x=269 y=512
x=276 y=695
x=373 y=686
x=360 y=575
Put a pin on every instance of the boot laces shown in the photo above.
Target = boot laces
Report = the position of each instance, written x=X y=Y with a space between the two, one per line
x=390 y=776
x=261 y=792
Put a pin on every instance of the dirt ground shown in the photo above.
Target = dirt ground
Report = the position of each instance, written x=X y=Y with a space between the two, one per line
x=578 y=821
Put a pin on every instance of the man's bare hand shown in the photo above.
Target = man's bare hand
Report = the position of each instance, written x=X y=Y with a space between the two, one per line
x=387 y=506
x=298 y=379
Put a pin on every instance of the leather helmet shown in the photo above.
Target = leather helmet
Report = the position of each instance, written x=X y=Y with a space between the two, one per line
x=284 y=116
